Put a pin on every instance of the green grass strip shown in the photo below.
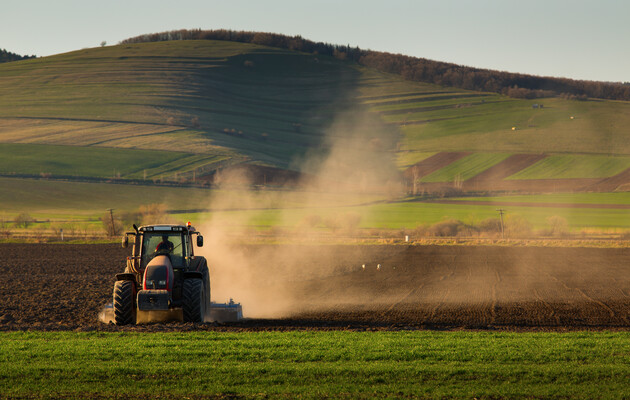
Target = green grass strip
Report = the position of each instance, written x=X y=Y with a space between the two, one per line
x=466 y=167
x=417 y=364
x=574 y=166
x=97 y=162
x=615 y=198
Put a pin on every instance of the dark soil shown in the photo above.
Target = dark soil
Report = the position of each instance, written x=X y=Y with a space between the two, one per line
x=63 y=287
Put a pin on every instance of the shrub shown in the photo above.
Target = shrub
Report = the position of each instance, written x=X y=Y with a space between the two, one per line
x=490 y=225
x=517 y=227
x=558 y=226
x=448 y=227
x=23 y=220
x=154 y=214
x=332 y=223
x=111 y=226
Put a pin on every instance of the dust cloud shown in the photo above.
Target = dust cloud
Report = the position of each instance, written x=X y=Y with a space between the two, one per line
x=356 y=157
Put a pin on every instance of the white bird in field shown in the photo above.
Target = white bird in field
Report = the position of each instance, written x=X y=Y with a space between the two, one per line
x=378 y=266
x=363 y=266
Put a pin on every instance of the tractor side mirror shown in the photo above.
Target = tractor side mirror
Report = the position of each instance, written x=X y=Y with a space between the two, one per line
x=125 y=241
x=199 y=241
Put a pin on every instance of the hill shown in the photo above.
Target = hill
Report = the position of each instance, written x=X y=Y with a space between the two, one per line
x=182 y=110
x=413 y=68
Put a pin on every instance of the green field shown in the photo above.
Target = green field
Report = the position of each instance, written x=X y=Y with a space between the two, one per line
x=58 y=200
x=597 y=128
x=78 y=201
x=622 y=198
x=574 y=166
x=465 y=168
x=316 y=365
x=411 y=215
x=94 y=162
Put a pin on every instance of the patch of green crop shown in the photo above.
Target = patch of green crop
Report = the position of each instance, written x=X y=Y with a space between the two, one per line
x=417 y=364
x=465 y=168
x=96 y=162
x=621 y=198
x=574 y=167
x=409 y=215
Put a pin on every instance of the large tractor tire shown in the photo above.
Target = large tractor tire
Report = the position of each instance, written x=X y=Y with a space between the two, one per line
x=124 y=309
x=199 y=264
x=193 y=300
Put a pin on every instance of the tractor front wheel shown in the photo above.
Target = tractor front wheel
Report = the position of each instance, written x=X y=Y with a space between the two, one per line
x=124 y=309
x=193 y=304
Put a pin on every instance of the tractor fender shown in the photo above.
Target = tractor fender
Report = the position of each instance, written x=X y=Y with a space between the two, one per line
x=126 y=276
x=193 y=275
x=199 y=263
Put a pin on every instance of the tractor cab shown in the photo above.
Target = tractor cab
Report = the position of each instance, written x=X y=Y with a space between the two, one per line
x=174 y=241
x=174 y=245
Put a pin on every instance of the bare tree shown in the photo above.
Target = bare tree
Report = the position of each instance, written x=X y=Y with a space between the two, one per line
x=23 y=220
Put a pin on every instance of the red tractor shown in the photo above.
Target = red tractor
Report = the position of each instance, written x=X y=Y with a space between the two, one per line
x=162 y=274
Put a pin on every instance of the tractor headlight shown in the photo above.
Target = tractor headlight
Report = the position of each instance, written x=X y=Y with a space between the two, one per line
x=153 y=284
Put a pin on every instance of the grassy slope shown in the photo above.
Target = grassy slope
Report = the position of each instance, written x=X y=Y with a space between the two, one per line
x=35 y=159
x=177 y=96
x=183 y=95
x=316 y=364
x=598 y=127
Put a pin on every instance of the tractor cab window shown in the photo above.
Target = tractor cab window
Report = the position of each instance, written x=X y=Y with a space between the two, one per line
x=163 y=243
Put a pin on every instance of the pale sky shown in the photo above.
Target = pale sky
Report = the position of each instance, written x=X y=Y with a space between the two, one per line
x=564 y=38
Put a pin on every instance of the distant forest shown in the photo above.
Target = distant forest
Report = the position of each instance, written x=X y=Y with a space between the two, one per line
x=416 y=69
x=6 y=56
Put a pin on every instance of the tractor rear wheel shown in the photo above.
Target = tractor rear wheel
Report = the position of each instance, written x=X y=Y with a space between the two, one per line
x=123 y=303
x=193 y=304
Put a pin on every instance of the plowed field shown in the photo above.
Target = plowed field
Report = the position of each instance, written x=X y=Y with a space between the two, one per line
x=63 y=287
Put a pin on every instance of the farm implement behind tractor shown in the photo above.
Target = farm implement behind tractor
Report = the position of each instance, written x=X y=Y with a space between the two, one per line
x=164 y=280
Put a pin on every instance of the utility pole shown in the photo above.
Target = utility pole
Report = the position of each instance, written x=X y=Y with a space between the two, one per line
x=501 y=212
x=111 y=214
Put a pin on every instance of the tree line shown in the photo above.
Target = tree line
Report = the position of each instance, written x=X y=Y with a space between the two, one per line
x=414 y=68
x=6 y=56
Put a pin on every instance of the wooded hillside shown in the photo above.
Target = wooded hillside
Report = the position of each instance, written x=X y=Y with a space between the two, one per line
x=6 y=56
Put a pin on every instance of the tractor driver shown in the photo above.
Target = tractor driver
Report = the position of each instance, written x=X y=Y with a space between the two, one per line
x=165 y=245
